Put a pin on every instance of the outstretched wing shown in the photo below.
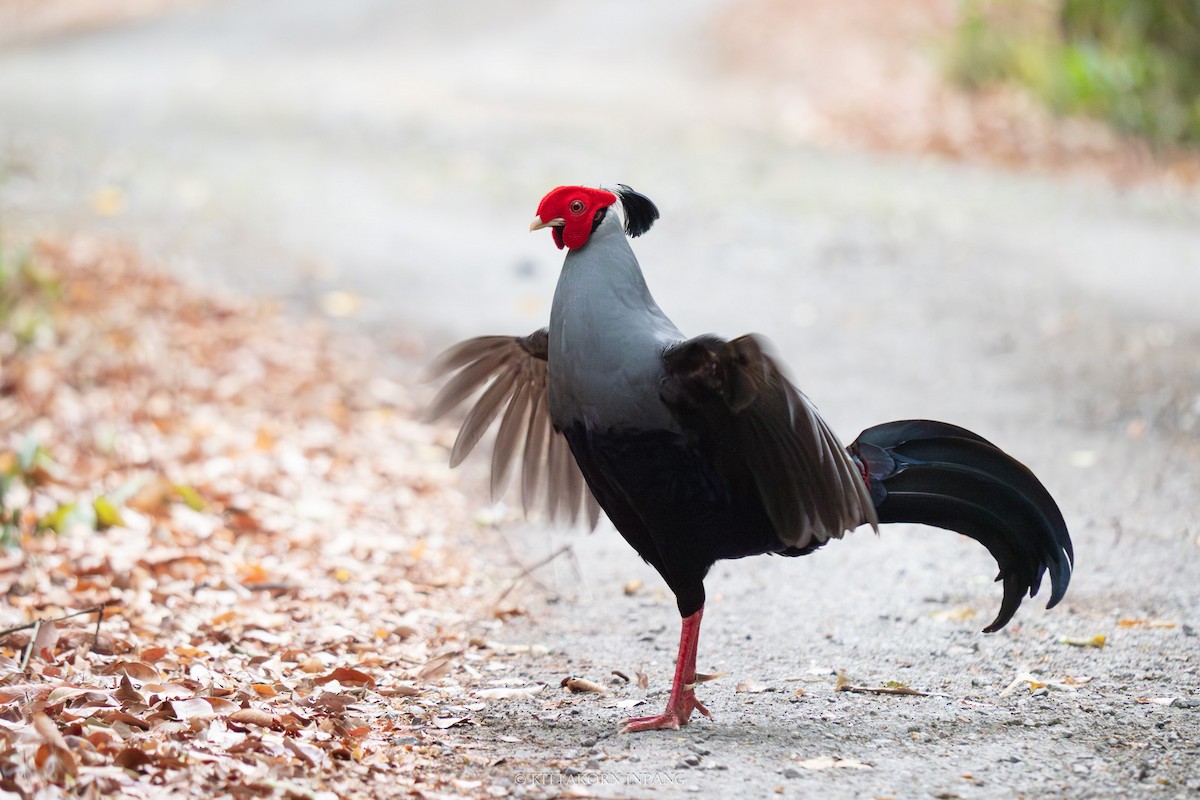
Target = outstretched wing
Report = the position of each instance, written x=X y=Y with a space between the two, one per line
x=758 y=427
x=513 y=369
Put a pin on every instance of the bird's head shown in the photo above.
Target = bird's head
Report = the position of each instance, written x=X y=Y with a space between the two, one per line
x=573 y=212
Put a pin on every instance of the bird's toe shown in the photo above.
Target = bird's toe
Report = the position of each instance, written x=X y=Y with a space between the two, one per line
x=668 y=721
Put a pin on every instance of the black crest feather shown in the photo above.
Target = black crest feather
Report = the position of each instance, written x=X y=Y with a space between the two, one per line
x=640 y=211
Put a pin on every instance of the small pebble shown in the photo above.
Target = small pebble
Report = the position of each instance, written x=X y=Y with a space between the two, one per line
x=791 y=772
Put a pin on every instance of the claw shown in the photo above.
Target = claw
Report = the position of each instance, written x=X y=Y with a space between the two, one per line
x=663 y=722
x=679 y=711
x=682 y=701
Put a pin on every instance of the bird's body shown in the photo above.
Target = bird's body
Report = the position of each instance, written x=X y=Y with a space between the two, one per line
x=700 y=450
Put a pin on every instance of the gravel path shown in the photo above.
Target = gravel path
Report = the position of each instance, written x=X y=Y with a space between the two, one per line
x=382 y=159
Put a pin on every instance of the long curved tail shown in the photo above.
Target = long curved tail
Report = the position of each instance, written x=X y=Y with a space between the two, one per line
x=946 y=476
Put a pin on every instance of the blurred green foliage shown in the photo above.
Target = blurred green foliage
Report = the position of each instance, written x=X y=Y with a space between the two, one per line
x=1135 y=63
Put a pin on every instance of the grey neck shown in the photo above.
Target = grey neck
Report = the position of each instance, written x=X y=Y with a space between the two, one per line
x=607 y=335
x=604 y=277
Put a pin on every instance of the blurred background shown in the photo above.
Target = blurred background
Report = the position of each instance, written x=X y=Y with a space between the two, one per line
x=370 y=159
x=990 y=208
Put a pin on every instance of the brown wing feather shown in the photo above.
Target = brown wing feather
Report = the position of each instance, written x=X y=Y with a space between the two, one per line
x=737 y=399
x=511 y=371
x=508 y=437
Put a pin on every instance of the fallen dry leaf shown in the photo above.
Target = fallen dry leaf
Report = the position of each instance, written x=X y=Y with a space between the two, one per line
x=44 y=640
x=1097 y=641
x=125 y=692
x=196 y=708
x=582 y=685
x=347 y=675
x=220 y=705
x=310 y=753
x=447 y=722
x=629 y=702
x=132 y=758
x=702 y=677
x=137 y=670
x=898 y=689
x=1034 y=683
x=509 y=692
x=254 y=716
x=435 y=668
x=54 y=757
x=1145 y=623
x=891 y=687
x=749 y=687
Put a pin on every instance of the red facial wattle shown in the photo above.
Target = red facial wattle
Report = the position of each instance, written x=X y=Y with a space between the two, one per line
x=571 y=212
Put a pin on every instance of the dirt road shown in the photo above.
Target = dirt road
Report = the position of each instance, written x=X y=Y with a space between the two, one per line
x=382 y=160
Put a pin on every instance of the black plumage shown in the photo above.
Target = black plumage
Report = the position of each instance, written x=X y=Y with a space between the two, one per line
x=701 y=449
x=946 y=476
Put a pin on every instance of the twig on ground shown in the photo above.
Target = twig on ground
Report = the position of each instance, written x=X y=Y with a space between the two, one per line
x=843 y=686
x=566 y=548
x=276 y=586
x=38 y=622
x=36 y=625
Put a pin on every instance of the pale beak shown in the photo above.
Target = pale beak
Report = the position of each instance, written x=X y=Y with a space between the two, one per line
x=537 y=223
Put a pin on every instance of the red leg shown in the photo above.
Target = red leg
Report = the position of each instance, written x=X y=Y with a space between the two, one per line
x=682 y=701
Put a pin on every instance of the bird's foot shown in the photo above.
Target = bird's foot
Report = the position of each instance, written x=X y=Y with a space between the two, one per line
x=679 y=711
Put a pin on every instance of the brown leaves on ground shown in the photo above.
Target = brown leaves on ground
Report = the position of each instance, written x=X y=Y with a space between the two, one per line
x=282 y=606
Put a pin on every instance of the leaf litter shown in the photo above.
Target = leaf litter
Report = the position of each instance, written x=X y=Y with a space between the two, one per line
x=261 y=535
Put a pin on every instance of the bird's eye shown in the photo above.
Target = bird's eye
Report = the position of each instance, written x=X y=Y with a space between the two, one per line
x=576 y=206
